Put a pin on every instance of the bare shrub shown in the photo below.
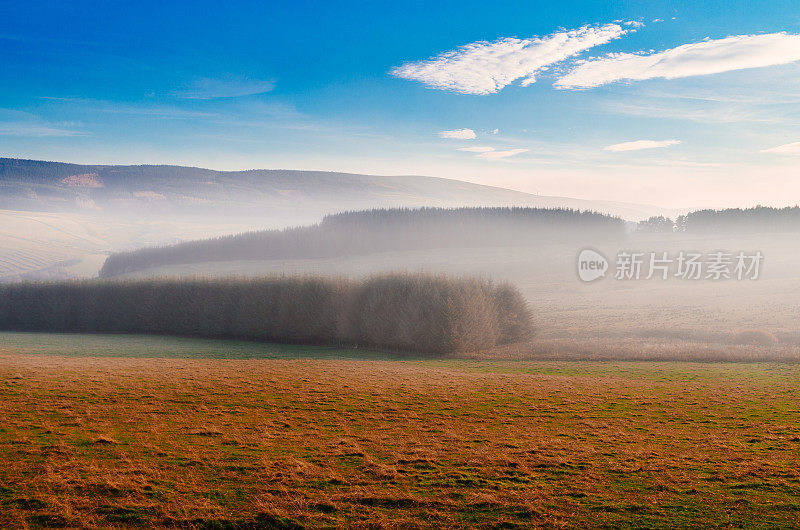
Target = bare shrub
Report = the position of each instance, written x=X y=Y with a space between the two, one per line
x=425 y=313
x=514 y=316
x=758 y=337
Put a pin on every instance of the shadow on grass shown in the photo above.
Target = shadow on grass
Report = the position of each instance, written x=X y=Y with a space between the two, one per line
x=157 y=346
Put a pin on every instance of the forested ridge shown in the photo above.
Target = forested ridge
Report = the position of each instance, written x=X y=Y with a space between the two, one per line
x=741 y=220
x=379 y=230
x=758 y=219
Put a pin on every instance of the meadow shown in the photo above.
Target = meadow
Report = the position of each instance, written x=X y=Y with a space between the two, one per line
x=118 y=431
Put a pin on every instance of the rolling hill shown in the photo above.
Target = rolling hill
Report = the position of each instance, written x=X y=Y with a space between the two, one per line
x=296 y=196
x=60 y=219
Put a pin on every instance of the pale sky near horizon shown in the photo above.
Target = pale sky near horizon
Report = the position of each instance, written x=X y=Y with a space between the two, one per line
x=677 y=104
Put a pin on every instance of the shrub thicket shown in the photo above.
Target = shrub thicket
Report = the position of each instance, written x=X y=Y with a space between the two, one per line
x=404 y=312
x=754 y=336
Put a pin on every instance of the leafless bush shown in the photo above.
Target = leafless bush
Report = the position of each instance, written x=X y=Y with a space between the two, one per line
x=404 y=312
x=754 y=336
x=436 y=313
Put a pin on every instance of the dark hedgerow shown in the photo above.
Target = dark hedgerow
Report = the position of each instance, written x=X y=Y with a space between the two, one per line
x=403 y=312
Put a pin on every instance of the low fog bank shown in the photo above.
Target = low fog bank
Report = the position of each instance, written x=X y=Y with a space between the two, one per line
x=51 y=246
x=656 y=311
x=60 y=220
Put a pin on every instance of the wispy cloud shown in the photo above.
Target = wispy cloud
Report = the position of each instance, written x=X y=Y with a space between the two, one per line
x=487 y=67
x=225 y=87
x=490 y=153
x=700 y=58
x=138 y=109
x=785 y=149
x=37 y=129
x=494 y=155
x=639 y=145
x=476 y=149
x=459 y=134
x=696 y=111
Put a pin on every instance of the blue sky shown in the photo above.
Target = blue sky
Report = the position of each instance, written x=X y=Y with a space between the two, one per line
x=605 y=100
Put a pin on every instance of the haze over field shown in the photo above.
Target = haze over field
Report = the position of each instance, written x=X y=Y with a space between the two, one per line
x=70 y=218
x=60 y=219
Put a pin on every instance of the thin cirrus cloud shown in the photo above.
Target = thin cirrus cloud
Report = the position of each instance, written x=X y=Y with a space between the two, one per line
x=640 y=145
x=489 y=153
x=785 y=149
x=459 y=134
x=36 y=130
x=495 y=155
x=487 y=67
x=476 y=149
x=699 y=58
x=226 y=87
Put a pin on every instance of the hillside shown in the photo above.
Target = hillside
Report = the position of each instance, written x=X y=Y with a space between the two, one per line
x=276 y=195
x=48 y=245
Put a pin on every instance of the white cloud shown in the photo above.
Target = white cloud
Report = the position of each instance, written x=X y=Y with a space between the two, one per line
x=638 y=145
x=494 y=155
x=476 y=149
x=700 y=58
x=785 y=149
x=487 y=67
x=490 y=153
x=459 y=134
x=226 y=87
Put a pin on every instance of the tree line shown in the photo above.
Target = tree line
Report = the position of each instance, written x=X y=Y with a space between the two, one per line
x=731 y=220
x=401 y=312
x=379 y=230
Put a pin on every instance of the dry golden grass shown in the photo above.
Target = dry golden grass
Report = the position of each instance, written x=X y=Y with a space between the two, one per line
x=201 y=443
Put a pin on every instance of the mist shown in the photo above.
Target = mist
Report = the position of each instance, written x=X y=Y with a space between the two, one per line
x=668 y=314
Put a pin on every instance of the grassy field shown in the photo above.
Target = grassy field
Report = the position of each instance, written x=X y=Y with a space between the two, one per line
x=144 y=431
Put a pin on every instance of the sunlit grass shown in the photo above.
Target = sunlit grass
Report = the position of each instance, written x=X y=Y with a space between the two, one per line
x=188 y=439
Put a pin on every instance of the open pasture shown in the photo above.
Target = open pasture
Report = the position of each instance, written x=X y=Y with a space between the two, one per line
x=172 y=433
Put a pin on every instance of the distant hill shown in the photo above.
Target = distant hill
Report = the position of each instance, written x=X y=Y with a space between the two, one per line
x=375 y=231
x=293 y=197
x=60 y=220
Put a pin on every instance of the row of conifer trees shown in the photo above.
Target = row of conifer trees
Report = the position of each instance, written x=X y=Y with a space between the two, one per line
x=371 y=231
x=402 y=312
